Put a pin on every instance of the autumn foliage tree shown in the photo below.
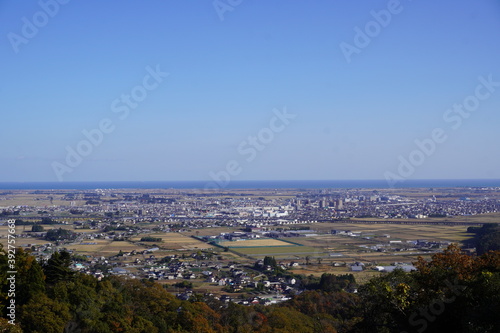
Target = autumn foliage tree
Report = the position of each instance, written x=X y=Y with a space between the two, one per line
x=452 y=292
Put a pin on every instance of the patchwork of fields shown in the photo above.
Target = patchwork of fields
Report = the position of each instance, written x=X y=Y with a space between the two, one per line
x=329 y=248
x=324 y=247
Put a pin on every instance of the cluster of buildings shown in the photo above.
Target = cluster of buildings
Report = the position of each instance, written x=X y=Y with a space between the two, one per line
x=117 y=215
x=190 y=210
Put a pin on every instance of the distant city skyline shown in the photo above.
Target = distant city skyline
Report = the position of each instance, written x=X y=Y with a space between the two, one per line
x=230 y=91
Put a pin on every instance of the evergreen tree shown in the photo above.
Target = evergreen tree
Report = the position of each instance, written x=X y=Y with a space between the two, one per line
x=57 y=267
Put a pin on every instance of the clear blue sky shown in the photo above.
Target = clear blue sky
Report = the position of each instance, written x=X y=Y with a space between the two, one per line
x=354 y=119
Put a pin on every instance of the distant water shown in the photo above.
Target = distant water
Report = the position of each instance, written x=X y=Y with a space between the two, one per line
x=251 y=184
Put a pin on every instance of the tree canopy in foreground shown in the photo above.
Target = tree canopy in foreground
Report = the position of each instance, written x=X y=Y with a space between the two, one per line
x=453 y=292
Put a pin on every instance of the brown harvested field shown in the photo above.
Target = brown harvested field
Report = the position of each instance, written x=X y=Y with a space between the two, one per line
x=23 y=242
x=318 y=270
x=400 y=231
x=349 y=249
x=255 y=242
x=24 y=198
x=88 y=248
x=280 y=252
x=175 y=241
x=104 y=247
x=85 y=231
x=387 y=258
x=481 y=218
x=115 y=247
x=323 y=241
x=209 y=231
x=231 y=255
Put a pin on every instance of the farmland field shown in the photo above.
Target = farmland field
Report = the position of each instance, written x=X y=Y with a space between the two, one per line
x=402 y=232
x=25 y=198
x=259 y=248
x=91 y=247
x=175 y=241
x=331 y=248
x=255 y=243
x=281 y=252
x=115 y=247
